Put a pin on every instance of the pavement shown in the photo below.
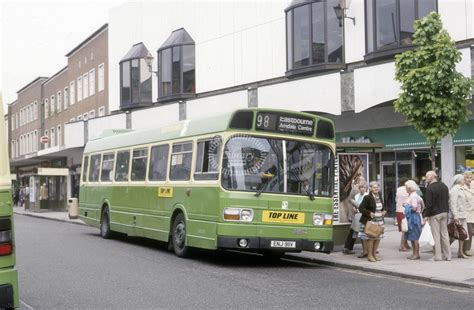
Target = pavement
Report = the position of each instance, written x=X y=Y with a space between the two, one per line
x=457 y=272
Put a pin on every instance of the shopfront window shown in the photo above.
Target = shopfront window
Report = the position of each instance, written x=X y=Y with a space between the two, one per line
x=464 y=159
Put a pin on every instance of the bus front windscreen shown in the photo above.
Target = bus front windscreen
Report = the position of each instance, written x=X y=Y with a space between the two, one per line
x=277 y=166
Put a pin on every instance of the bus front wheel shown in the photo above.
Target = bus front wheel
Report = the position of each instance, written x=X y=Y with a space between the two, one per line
x=105 y=231
x=179 y=236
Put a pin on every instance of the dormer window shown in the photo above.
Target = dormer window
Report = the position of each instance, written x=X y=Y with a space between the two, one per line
x=314 y=37
x=135 y=78
x=176 y=67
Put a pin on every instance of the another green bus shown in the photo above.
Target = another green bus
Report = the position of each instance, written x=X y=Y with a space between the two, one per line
x=8 y=274
x=256 y=180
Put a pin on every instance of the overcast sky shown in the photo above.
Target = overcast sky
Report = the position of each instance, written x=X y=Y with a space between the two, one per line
x=35 y=36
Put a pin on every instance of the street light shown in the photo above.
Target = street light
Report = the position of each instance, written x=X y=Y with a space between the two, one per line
x=341 y=10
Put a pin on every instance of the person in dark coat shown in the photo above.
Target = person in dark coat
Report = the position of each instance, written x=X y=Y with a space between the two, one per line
x=372 y=209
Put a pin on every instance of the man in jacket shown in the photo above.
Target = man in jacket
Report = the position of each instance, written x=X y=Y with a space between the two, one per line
x=436 y=210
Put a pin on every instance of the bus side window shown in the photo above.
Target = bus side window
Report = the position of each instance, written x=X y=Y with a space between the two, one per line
x=85 y=168
x=207 y=159
x=95 y=168
x=139 y=160
x=121 y=166
x=158 y=163
x=181 y=157
x=107 y=167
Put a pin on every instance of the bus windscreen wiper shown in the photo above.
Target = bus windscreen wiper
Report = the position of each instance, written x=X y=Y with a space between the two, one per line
x=299 y=180
x=267 y=179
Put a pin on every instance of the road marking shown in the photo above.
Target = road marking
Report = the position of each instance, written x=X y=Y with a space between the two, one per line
x=26 y=305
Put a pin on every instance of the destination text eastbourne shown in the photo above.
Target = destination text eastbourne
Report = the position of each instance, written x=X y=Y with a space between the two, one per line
x=297 y=125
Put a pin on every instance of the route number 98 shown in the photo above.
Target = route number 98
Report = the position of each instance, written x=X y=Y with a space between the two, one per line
x=263 y=121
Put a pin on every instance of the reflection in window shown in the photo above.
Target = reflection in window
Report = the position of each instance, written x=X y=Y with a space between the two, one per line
x=314 y=36
x=95 y=168
x=181 y=157
x=139 y=162
x=107 y=167
x=121 y=167
x=176 y=67
x=84 y=167
x=207 y=159
x=389 y=23
x=158 y=163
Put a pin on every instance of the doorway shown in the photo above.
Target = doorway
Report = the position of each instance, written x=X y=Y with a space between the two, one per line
x=392 y=171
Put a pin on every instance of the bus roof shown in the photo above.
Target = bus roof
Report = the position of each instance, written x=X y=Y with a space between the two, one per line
x=115 y=139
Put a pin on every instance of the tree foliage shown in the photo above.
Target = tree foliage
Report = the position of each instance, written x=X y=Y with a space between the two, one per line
x=435 y=97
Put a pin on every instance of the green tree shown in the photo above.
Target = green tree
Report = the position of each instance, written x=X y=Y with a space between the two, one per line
x=435 y=97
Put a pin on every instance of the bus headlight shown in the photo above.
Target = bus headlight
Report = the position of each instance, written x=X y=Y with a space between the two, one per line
x=322 y=219
x=238 y=214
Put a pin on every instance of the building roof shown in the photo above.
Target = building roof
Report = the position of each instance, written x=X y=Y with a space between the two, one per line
x=55 y=75
x=89 y=38
x=137 y=51
x=32 y=82
x=177 y=37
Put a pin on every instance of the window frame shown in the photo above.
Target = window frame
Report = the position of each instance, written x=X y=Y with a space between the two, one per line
x=143 y=148
x=188 y=179
x=100 y=77
x=129 y=165
x=99 y=166
x=208 y=175
x=387 y=52
x=167 y=166
x=112 y=179
x=312 y=67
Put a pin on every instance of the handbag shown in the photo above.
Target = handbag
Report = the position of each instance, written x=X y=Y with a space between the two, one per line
x=404 y=224
x=373 y=230
x=355 y=225
x=456 y=231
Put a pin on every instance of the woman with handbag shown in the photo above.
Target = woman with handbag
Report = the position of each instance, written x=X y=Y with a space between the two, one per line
x=458 y=205
x=371 y=221
x=413 y=209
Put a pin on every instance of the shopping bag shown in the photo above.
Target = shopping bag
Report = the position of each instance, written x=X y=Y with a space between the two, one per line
x=404 y=224
x=355 y=225
x=426 y=238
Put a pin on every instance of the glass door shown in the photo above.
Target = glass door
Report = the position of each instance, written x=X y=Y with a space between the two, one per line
x=392 y=171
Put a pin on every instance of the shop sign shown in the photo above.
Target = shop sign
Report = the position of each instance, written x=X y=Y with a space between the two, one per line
x=362 y=139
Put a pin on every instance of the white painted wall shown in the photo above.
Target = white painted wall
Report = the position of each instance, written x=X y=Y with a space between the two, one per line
x=457 y=18
x=214 y=105
x=376 y=84
x=321 y=93
x=237 y=42
x=74 y=135
x=98 y=125
x=155 y=117
x=354 y=35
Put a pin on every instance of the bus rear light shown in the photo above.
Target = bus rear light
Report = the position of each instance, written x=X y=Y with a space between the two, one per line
x=6 y=249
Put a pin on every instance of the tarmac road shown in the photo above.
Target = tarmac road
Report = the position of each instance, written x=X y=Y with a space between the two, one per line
x=64 y=266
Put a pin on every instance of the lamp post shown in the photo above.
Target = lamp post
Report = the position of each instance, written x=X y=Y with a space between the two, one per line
x=341 y=10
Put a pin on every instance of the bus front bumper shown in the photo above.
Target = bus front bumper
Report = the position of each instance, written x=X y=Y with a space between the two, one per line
x=274 y=244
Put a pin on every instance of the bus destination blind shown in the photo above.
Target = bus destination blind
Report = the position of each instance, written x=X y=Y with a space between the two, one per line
x=284 y=123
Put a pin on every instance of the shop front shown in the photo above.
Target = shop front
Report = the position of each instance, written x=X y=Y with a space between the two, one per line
x=48 y=190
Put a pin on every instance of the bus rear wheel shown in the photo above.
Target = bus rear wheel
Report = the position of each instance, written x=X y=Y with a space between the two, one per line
x=105 y=231
x=179 y=236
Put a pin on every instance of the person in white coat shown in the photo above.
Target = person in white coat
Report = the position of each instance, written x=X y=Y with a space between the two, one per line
x=458 y=205
x=469 y=191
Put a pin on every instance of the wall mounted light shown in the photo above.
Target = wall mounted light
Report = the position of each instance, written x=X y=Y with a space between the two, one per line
x=341 y=10
x=149 y=61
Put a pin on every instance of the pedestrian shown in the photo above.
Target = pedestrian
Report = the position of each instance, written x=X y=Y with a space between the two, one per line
x=458 y=205
x=355 y=201
x=436 y=212
x=413 y=208
x=400 y=198
x=372 y=209
x=469 y=212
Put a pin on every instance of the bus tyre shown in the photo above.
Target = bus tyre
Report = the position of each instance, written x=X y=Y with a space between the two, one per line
x=105 y=231
x=179 y=236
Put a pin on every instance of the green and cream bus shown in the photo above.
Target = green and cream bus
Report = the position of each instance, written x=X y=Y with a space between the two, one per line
x=8 y=274
x=254 y=180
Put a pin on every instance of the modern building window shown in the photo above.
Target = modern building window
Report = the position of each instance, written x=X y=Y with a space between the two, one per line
x=101 y=78
x=79 y=88
x=92 y=82
x=59 y=102
x=389 y=24
x=314 y=37
x=72 y=92
x=85 y=88
x=176 y=67
x=135 y=78
x=66 y=98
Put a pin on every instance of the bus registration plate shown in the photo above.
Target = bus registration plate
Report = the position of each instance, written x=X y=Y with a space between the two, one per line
x=282 y=244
